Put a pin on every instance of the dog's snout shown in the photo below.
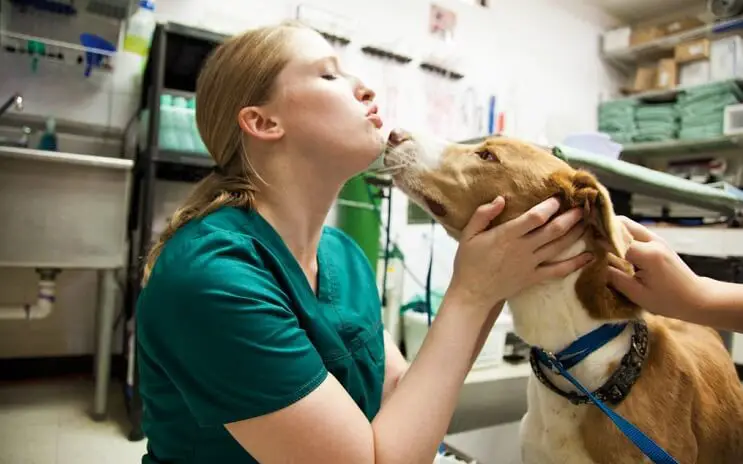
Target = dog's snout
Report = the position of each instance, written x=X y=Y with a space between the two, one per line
x=397 y=136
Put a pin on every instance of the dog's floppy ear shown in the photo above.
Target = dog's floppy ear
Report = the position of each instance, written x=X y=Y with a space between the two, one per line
x=581 y=189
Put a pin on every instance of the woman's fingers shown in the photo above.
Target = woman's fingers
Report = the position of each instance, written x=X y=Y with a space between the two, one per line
x=638 y=231
x=554 y=248
x=626 y=284
x=564 y=268
x=482 y=217
x=556 y=228
x=645 y=254
x=534 y=218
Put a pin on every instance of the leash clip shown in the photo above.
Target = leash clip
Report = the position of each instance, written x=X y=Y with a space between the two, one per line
x=553 y=361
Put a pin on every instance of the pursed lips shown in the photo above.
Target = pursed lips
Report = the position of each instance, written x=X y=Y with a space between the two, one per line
x=372 y=115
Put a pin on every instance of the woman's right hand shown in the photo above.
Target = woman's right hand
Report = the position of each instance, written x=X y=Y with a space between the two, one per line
x=493 y=265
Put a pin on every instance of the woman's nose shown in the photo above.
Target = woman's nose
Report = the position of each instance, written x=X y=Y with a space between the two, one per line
x=364 y=94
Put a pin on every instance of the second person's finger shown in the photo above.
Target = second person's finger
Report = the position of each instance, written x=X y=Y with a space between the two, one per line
x=638 y=231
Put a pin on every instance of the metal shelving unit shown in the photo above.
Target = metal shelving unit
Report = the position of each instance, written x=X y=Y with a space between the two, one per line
x=667 y=95
x=176 y=56
x=659 y=47
x=660 y=154
x=685 y=148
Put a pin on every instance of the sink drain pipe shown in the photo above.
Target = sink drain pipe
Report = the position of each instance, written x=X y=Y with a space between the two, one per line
x=44 y=302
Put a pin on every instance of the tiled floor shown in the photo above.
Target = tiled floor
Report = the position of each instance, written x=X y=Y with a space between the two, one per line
x=48 y=423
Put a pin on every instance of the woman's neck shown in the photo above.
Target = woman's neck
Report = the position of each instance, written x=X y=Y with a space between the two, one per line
x=297 y=210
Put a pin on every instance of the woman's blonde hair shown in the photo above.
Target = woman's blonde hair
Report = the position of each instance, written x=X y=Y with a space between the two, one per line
x=240 y=72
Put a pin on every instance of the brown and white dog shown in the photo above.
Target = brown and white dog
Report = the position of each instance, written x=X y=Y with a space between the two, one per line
x=685 y=393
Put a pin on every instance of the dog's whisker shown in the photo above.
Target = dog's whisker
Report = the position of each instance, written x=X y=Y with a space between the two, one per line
x=389 y=169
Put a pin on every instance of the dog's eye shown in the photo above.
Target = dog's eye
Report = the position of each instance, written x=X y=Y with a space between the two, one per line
x=486 y=155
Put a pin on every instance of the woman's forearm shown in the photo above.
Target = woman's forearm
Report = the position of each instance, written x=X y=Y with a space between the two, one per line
x=722 y=307
x=410 y=425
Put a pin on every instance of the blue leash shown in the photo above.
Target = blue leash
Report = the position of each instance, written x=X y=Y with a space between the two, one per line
x=429 y=310
x=577 y=352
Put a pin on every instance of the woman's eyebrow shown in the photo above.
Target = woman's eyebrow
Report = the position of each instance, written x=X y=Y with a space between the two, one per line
x=328 y=59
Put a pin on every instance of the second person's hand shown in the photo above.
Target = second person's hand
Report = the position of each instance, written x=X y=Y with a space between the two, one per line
x=493 y=265
x=663 y=283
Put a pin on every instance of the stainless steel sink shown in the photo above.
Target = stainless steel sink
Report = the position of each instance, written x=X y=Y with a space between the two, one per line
x=63 y=210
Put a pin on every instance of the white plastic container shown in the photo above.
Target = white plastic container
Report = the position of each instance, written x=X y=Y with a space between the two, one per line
x=415 y=328
x=726 y=58
x=694 y=73
x=168 y=130
x=617 y=39
x=198 y=143
x=182 y=118
x=140 y=28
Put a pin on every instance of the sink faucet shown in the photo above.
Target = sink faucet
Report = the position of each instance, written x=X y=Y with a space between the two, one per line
x=16 y=100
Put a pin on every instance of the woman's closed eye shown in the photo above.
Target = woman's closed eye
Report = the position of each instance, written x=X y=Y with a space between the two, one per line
x=330 y=76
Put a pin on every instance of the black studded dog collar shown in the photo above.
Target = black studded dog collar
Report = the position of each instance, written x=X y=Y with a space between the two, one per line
x=616 y=389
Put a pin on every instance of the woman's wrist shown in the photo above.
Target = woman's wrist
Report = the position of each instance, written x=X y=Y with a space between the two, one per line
x=462 y=298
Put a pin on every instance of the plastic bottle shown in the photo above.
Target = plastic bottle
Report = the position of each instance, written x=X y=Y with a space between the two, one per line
x=48 y=140
x=182 y=124
x=140 y=29
x=198 y=144
x=168 y=139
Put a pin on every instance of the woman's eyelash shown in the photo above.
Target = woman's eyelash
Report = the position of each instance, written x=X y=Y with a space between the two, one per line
x=330 y=77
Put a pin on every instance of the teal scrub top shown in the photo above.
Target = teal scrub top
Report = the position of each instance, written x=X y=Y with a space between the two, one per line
x=228 y=328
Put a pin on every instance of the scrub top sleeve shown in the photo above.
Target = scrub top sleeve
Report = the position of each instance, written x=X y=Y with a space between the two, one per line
x=238 y=349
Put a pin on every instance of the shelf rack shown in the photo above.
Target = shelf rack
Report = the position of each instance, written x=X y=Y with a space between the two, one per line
x=54 y=51
x=663 y=95
x=176 y=57
x=680 y=149
x=657 y=48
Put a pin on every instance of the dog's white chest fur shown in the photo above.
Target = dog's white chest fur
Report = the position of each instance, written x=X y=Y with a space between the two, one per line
x=551 y=316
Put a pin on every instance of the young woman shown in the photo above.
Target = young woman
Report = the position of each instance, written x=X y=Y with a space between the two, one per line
x=259 y=331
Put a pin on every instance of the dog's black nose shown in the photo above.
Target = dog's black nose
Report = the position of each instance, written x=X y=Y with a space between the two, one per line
x=397 y=136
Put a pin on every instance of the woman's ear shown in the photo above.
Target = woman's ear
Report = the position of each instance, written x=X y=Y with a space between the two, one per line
x=581 y=189
x=257 y=123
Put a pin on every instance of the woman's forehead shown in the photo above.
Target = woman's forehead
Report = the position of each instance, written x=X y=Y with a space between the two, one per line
x=309 y=47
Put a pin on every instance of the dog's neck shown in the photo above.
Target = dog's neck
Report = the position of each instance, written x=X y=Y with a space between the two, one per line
x=550 y=315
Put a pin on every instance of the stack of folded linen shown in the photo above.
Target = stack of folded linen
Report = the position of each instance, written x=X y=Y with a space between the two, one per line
x=617 y=120
x=656 y=122
x=702 y=109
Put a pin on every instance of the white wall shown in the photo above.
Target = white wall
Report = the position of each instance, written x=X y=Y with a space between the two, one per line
x=539 y=57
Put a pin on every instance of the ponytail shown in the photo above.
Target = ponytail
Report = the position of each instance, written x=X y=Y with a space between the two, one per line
x=210 y=194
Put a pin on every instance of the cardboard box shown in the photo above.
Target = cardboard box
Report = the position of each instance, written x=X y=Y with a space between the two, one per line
x=667 y=74
x=692 y=51
x=641 y=35
x=694 y=73
x=645 y=78
x=617 y=39
x=726 y=58
x=682 y=25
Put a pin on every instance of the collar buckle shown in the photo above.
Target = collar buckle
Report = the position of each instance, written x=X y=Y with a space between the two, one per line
x=552 y=362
